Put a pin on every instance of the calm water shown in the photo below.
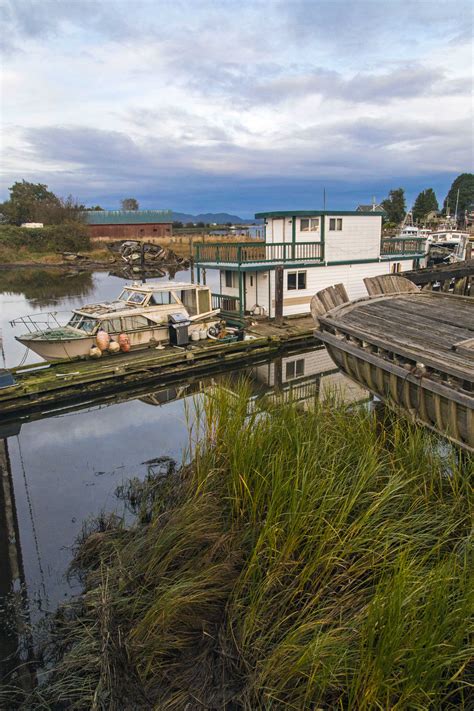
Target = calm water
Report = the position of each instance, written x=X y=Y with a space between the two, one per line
x=65 y=469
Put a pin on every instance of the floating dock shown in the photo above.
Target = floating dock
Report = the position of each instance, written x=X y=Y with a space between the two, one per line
x=48 y=385
x=413 y=349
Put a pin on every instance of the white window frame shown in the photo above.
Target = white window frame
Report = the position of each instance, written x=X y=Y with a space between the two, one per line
x=335 y=224
x=313 y=224
x=297 y=272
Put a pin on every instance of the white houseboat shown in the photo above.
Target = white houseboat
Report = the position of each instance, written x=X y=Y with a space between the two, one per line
x=139 y=318
x=316 y=249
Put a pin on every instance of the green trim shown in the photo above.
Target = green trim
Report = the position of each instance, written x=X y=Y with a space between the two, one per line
x=293 y=236
x=307 y=265
x=316 y=213
x=241 y=305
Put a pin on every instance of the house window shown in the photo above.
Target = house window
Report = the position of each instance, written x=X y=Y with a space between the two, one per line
x=296 y=281
x=335 y=224
x=229 y=279
x=309 y=224
x=295 y=369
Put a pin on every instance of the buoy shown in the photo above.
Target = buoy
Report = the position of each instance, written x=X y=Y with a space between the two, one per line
x=195 y=335
x=203 y=334
x=102 y=339
x=124 y=342
x=114 y=347
x=95 y=352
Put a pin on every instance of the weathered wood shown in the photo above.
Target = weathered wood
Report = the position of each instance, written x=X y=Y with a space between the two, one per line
x=388 y=284
x=413 y=349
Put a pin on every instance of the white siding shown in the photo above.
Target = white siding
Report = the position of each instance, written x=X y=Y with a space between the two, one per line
x=317 y=278
x=359 y=238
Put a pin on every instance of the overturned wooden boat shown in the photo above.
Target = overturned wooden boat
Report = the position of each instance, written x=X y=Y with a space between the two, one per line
x=412 y=348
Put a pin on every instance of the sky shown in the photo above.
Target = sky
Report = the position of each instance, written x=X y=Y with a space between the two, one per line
x=236 y=106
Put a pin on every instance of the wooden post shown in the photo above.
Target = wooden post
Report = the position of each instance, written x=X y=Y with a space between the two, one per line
x=279 y=274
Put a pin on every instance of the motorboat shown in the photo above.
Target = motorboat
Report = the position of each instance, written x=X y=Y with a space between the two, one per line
x=142 y=316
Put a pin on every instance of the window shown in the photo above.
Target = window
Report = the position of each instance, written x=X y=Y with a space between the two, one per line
x=74 y=322
x=134 y=297
x=295 y=369
x=88 y=325
x=296 y=281
x=309 y=224
x=132 y=323
x=335 y=224
x=111 y=326
x=162 y=298
x=229 y=279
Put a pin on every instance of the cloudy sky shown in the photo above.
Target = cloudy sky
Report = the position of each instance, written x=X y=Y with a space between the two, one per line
x=236 y=106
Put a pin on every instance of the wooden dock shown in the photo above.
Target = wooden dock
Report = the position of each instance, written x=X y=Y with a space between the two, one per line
x=413 y=349
x=44 y=386
x=458 y=277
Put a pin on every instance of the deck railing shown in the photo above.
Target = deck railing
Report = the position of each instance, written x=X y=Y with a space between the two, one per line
x=399 y=246
x=250 y=253
x=227 y=304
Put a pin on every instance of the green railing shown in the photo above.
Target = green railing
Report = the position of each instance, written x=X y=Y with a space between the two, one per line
x=227 y=304
x=252 y=253
x=399 y=246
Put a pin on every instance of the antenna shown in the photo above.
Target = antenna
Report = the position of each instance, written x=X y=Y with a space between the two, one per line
x=324 y=198
x=456 y=209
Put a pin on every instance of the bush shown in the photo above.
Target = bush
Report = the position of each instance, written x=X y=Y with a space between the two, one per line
x=68 y=237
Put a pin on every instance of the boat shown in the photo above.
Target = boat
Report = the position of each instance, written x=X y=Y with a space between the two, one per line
x=142 y=316
x=413 y=349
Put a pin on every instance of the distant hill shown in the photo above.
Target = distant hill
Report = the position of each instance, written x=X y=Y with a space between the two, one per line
x=209 y=217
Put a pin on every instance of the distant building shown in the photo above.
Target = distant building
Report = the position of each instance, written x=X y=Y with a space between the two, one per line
x=369 y=208
x=129 y=224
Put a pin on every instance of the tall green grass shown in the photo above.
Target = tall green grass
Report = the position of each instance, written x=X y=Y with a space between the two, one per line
x=317 y=560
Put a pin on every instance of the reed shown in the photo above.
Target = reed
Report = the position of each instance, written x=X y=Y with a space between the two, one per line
x=302 y=561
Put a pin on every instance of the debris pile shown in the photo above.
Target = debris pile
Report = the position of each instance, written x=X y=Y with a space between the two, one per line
x=135 y=252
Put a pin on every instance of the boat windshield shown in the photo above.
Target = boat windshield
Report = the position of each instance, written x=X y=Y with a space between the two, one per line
x=132 y=297
x=83 y=323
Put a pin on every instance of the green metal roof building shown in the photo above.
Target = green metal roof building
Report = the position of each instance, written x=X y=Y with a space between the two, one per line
x=129 y=224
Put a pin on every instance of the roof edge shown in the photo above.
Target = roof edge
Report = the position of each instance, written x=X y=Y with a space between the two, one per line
x=317 y=213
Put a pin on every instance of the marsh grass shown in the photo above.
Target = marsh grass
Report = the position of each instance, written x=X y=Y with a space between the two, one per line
x=314 y=560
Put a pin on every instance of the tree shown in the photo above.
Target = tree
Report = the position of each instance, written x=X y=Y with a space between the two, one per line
x=26 y=201
x=425 y=202
x=177 y=224
x=394 y=205
x=129 y=204
x=465 y=184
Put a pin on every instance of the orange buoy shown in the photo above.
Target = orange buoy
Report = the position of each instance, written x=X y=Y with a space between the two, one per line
x=124 y=342
x=102 y=339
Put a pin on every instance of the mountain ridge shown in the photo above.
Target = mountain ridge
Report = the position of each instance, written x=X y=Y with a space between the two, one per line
x=209 y=217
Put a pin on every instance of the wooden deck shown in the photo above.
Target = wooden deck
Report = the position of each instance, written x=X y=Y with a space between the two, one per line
x=414 y=349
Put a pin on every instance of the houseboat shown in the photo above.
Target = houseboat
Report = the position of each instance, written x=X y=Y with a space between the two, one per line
x=139 y=318
x=316 y=248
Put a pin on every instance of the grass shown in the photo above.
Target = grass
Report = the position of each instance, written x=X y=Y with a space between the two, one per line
x=317 y=560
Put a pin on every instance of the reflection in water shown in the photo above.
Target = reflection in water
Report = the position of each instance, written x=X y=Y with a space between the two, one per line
x=65 y=468
x=68 y=468
x=43 y=287
x=15 y=637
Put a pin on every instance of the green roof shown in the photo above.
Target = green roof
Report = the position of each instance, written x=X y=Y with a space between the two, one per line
x=127 y=217
x=312 y=213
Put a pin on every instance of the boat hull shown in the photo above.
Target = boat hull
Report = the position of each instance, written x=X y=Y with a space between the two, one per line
x=431 y=403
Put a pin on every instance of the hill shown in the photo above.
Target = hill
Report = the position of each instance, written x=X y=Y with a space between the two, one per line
x=219 y=218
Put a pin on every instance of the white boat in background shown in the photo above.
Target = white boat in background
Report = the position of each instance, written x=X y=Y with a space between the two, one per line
x=139 y=318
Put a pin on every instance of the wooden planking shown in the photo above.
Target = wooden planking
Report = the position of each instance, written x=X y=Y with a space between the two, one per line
x=388 y=284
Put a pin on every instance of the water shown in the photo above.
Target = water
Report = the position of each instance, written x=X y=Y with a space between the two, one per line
x=62 y=470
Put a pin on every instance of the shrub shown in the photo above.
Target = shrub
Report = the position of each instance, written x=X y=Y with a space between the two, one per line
x=68 y=237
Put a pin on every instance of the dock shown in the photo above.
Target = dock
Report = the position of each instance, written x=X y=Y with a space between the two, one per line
x=45 y=386
x=458 y=277
x=413 y=349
